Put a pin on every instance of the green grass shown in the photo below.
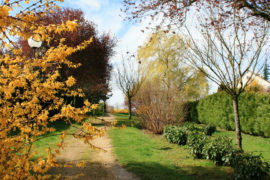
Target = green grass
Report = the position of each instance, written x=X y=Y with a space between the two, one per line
x=254 y=144
x=122 y=119
x=152 y=157
x=51 y=139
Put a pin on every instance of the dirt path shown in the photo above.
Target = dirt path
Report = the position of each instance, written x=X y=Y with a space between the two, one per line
x=100 y=165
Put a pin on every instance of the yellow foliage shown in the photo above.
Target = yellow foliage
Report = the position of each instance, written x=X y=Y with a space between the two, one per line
x=162 y=60
x=30 y=88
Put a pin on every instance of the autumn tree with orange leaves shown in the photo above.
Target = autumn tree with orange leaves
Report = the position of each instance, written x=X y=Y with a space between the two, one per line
x=94 y=73
x=26 y=96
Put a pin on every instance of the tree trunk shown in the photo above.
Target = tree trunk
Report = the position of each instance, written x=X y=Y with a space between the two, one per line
x=129 y=107
x=104 y=107
x=237 y=123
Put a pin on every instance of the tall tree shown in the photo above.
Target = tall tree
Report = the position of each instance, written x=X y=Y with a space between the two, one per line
x=226 y=55
x=94 y=72
x=128 y=80
x=162 y=57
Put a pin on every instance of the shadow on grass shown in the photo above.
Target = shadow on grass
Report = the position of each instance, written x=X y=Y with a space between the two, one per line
x=122 y=119
x=156 y=171
x=92 y=170
x=165 y=148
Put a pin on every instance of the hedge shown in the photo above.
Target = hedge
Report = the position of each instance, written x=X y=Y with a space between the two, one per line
x=217 y=110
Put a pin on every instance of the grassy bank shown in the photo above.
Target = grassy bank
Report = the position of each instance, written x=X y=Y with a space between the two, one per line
x=254 y=144
x=152 y=157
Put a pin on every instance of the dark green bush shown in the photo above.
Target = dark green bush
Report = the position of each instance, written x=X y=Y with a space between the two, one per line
x=191 y=107
x=217 y=110
x=196 y=143
x=248 y=166
x=209 y=130
x=175 y=135
x=219 y=150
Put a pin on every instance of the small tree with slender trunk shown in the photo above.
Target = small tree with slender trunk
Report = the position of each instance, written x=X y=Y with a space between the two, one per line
x=226 y=56
x=129 y=80
x=266 y=71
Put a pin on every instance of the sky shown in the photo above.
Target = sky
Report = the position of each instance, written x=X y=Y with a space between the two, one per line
x=106 y=15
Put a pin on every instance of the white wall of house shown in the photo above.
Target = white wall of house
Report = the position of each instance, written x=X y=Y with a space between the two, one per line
x=265 y=84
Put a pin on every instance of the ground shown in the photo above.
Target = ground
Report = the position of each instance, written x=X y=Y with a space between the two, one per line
x=100 y=163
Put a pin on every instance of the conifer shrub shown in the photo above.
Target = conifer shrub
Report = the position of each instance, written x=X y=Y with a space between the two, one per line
x=216 y=110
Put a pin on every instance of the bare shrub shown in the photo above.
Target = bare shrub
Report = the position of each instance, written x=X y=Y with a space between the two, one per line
x=157 y=107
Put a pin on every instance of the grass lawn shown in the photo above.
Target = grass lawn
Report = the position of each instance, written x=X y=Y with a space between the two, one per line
x=152 y=157
x=255 y=144
x=122 y=119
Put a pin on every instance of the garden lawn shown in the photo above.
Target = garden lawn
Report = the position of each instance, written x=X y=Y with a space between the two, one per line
x=122 y=119
x=254 y=144
x=152 y=157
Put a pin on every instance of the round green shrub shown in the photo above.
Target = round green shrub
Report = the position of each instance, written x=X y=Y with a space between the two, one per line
x=219 y=150
x=175 y=135
x=248 y=166
x=196 y=143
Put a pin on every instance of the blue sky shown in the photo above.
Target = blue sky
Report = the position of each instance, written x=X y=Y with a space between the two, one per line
x=106 y=15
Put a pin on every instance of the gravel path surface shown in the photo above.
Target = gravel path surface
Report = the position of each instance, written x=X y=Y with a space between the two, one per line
x=100 y=164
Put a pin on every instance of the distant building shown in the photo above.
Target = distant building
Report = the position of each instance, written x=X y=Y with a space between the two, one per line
x=258 y=80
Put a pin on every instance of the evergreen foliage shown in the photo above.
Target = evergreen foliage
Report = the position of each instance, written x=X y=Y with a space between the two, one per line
x=216 y=110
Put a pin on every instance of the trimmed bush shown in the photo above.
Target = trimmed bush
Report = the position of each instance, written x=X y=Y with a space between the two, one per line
x=217 y=110
x=248 y=166
x=196 y=143
x=175 y=135
x=209 y=130
x=219 y=150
